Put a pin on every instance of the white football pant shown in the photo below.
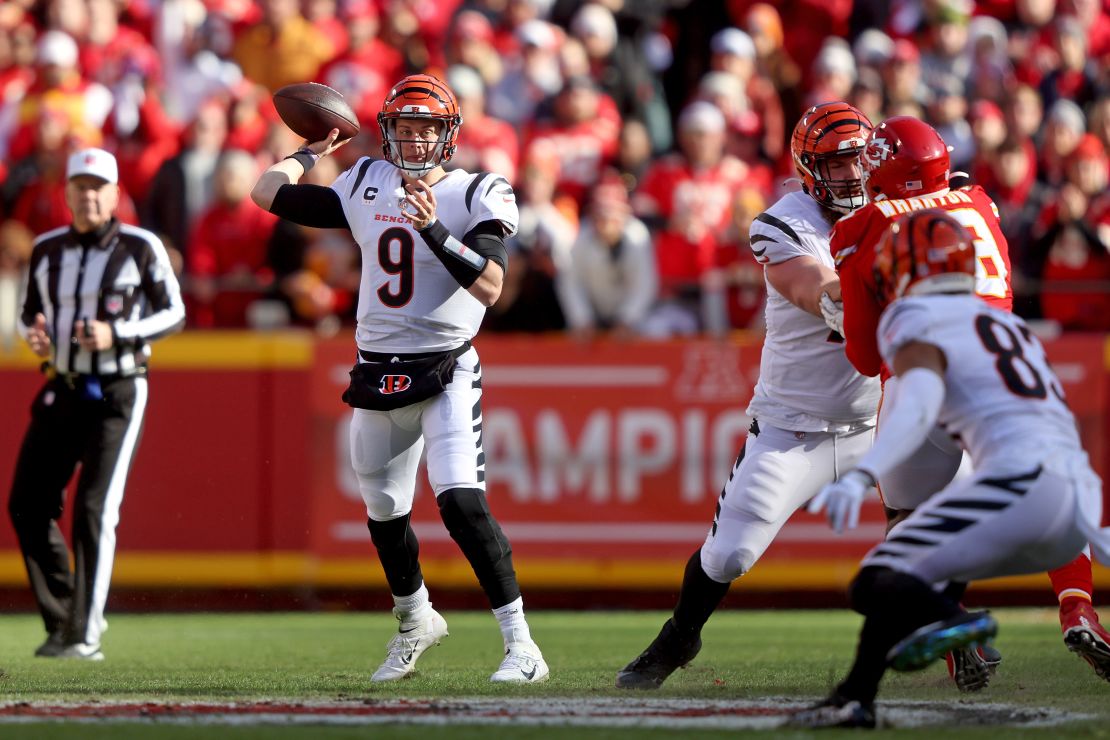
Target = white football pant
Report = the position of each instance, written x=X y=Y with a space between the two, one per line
x=386 y=445
x=777 y=472
x=991 y=524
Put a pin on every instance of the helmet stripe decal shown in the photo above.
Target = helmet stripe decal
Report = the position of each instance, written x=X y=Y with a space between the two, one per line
x=840 y=124
x=911 y=248
x=425 y=90
x=817 y=119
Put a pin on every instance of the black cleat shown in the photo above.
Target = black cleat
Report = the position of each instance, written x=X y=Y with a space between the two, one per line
x=933 y=641
x=668 y=652
x=53 y=647
x=972 y=668
x=836 y=711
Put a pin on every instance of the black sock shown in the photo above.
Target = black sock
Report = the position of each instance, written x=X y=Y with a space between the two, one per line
x=955 y=590
x=895 y=605
x=700 y=596
x=398 y=551
x=468 y=519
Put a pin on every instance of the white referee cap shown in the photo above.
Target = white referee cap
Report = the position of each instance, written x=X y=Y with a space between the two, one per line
x=95 y=162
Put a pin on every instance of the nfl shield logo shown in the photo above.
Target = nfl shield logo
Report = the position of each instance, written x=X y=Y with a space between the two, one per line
x=113 y=304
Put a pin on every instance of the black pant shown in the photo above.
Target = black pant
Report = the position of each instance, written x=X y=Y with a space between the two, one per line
x=102 y=435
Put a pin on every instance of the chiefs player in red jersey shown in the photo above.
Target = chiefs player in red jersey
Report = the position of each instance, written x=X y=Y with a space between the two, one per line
x=905 y=168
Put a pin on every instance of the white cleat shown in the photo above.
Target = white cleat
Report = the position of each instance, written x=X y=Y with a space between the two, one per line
x=523 y=663
x=81 y=651
x=408 y=645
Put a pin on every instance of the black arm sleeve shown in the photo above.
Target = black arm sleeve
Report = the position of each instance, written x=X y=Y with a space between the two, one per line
x=310 y=205
x=487 y=240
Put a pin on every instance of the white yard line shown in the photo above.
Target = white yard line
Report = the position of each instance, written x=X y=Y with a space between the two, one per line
x=690 y=714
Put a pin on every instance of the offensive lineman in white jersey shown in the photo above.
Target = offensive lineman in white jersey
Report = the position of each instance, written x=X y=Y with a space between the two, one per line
x=1033 y=501
x=433 y=259
x=813 y=414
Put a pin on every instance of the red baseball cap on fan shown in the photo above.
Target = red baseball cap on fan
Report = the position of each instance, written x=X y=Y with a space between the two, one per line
x=471 y=25
x=1089 y=147
x=905 y=51
x=984 y=109
x=361 y=9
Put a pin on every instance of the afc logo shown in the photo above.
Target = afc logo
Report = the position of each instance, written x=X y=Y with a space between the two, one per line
x=877 y=151
x=394 y=384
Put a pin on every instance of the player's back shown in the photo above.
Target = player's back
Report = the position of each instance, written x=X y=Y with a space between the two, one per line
x=974 y=209
x=408 y=301
x=853 y=243
x=1002 y=398
x=805 y=381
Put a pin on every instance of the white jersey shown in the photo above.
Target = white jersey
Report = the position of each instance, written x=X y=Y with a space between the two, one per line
x=408 y=302
x=805 y=381
x=1002 y=399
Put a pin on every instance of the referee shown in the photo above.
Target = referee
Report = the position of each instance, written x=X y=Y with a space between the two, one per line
x=98 y=292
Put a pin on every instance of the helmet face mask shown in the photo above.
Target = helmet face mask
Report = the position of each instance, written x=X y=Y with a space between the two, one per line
x=844 y=192
x=405 y=134
x=923 y=253
x=413 y=101
x=824 y=145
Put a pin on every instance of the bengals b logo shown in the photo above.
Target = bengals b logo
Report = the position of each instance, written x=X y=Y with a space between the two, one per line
x=394 y=384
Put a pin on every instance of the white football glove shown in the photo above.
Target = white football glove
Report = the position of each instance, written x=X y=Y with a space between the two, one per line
x=833 y=313
x=843 y=499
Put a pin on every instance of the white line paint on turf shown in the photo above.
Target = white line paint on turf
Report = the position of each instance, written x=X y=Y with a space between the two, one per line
x=691 y=714
x=614 y=532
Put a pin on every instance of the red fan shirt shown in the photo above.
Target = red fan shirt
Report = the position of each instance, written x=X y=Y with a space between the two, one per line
x=672 y=183
x=583 y=149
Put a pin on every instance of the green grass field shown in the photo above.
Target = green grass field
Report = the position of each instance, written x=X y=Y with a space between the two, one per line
x=313 y=656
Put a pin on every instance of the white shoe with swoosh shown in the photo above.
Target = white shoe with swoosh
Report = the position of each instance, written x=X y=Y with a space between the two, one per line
x=523 y=663
x=408 y=645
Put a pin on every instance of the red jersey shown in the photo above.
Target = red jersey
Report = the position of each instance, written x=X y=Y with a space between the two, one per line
x=228 y=238
x=583 y=149
x=127 y=52
x=853 y=243
x=673 y=184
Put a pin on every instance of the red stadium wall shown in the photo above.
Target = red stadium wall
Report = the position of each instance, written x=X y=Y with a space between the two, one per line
x=604 y=462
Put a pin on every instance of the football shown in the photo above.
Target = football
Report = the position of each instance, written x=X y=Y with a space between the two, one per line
x=312 y=110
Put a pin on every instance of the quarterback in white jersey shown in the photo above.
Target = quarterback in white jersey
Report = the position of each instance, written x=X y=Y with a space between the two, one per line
x=407 y=301
x=433 y=259
x=813 y=414
x=1031 y=504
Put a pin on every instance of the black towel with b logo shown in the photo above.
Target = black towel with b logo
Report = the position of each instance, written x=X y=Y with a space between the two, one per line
x=383 y=382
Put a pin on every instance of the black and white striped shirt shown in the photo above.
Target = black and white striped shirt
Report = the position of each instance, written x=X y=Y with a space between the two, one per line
x=120 y=275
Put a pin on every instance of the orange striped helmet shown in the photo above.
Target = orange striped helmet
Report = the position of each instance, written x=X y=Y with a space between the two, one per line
x=925 y=252
x=420 y=97
x=824 y=132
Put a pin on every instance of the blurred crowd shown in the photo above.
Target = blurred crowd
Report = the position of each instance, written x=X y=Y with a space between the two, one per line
x=642 y=137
